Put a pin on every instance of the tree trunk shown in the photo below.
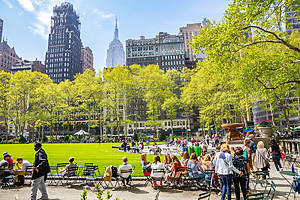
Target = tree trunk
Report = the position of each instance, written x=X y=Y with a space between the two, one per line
x=272 y=115
x=172 y=127
x=42 y=133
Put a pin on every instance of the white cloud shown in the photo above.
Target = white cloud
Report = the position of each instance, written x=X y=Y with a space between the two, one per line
x=27 y=5
x=39 y=30
x=102 y=14
x=8 y=3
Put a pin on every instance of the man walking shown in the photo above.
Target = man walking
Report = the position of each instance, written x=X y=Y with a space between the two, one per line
x=39 y=172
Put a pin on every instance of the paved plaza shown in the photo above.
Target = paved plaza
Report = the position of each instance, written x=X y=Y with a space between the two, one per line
x=138 y=191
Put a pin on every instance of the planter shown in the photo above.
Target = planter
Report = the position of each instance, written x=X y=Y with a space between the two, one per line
x=265 y=132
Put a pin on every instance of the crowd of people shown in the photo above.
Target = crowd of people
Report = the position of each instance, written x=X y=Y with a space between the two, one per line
x=217 y=169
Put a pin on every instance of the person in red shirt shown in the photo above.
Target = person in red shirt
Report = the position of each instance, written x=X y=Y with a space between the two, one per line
x=176 y=169
x=10 y=160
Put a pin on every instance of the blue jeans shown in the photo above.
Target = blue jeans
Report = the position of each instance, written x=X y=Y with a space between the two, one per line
x=226 y=186
x=276 y=159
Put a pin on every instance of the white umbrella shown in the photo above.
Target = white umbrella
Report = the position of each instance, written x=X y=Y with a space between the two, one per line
x=81 y=132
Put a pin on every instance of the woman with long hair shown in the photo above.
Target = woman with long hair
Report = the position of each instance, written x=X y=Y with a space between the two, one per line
x=196 y=170
x=176 y=172
x=157 y=165
x=146 y=166
x=275 y=149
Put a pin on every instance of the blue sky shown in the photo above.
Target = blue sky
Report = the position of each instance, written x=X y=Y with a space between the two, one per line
x=27 y=22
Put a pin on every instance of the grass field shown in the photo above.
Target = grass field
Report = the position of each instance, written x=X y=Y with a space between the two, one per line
x=101 y=154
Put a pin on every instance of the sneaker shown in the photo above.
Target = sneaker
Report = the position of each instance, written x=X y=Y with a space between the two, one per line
x=179 y=185
x=172 y=184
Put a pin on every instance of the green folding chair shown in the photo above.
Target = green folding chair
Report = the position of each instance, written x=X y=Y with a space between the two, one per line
x=204 y=195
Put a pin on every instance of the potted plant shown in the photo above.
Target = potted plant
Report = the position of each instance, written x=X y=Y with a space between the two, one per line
x=265 y=128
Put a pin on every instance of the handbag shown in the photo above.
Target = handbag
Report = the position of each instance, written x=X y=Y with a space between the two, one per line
x=282 y=156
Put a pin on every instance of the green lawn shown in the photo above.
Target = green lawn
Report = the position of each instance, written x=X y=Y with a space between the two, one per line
x=101 y=154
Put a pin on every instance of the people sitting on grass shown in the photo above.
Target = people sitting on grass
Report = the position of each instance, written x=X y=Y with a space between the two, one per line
x=10 y=160
x=176 y=176
x=125 y=172
x=158 y=171
x=24 y=164
x=67 y=171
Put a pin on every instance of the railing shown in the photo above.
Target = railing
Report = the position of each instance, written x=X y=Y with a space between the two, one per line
x=290 y=146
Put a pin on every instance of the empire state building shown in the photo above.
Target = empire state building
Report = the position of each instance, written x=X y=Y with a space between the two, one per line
x=115 y=53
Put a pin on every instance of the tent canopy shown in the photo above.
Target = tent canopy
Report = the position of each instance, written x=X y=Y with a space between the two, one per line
x=81 y=132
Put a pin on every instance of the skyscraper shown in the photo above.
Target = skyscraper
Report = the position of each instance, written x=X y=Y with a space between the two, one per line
x=8 y=55
x=165 y=50
x=115 y=53
x=293 y=17
x=62 y=60
x=87 y=59
x=188 y=32
x=1 y=29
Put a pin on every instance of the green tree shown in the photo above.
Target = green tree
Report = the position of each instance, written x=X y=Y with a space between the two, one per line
x=4 y=100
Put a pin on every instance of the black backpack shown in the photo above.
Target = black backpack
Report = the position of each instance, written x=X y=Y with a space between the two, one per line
x=240 y=164
x=114 y=171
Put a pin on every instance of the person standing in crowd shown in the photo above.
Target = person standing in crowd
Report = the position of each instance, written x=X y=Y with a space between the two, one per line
x=262 y=158
x=253 y=150
x=247 y=156
x=275 y=149
x=207 y=139
x=224 y=168
x=40 y=170
x=239 y=181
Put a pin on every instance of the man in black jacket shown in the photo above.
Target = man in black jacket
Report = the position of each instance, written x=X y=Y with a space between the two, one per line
x=39 y=172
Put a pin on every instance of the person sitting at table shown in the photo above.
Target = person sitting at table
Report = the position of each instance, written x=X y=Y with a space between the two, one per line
x=67 y=171
x=125 y=171
x=4 y=162
x=10 y=160
x=24 y=164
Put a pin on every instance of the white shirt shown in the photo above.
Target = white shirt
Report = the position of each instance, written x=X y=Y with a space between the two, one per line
x=126 y=167
x=225 y=166
x=158 y=166
x=25 y=164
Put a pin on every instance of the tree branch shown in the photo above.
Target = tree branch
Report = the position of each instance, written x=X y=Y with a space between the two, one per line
x=273 y=88
x=261 y=41
x=295 y=61
x=276 y=36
